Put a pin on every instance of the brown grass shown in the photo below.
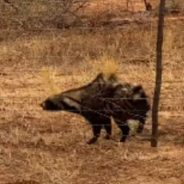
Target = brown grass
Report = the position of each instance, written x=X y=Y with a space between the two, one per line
x=38 y=147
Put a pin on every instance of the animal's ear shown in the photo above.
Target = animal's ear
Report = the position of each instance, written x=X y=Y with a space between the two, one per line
x=99 y=78
x=113 y=77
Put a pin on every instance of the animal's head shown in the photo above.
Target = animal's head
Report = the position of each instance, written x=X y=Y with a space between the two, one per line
x=71 y=100
x=60 y=102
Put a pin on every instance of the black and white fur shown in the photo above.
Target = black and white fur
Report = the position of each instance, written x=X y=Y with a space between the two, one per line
x=103 y=98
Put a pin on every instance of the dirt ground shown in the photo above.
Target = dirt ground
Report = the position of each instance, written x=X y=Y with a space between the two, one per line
x=38 y=147
x=41 y=147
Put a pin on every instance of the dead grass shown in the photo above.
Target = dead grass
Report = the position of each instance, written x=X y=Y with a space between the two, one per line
x=37 y=147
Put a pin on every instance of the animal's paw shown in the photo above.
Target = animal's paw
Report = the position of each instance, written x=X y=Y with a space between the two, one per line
x=140 y=128
x=92 y=140
x=108 y=137
x=123 y=139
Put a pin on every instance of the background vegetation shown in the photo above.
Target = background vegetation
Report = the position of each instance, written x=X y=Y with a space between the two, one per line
x=48 y=47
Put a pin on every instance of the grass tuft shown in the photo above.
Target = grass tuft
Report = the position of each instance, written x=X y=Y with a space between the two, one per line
x=106 y=65
x=48 y=76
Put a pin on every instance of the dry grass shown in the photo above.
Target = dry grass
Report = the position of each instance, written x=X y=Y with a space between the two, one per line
x=38 y=147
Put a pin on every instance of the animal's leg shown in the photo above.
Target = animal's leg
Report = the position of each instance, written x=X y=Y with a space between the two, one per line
x=108 y=129
x=141 y=126
x=125 y=132
x=124 y=129
x=96 y=133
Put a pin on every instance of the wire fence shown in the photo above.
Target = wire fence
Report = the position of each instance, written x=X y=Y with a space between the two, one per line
x=53 y=14
x=48 y=16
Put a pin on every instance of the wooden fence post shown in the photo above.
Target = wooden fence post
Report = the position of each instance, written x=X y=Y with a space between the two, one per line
x=158 y=79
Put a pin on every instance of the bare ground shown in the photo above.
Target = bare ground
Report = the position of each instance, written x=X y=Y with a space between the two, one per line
x=38 y=147
x=41 y=147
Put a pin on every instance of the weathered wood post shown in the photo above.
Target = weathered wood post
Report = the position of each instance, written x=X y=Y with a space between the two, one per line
x=158 y=79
